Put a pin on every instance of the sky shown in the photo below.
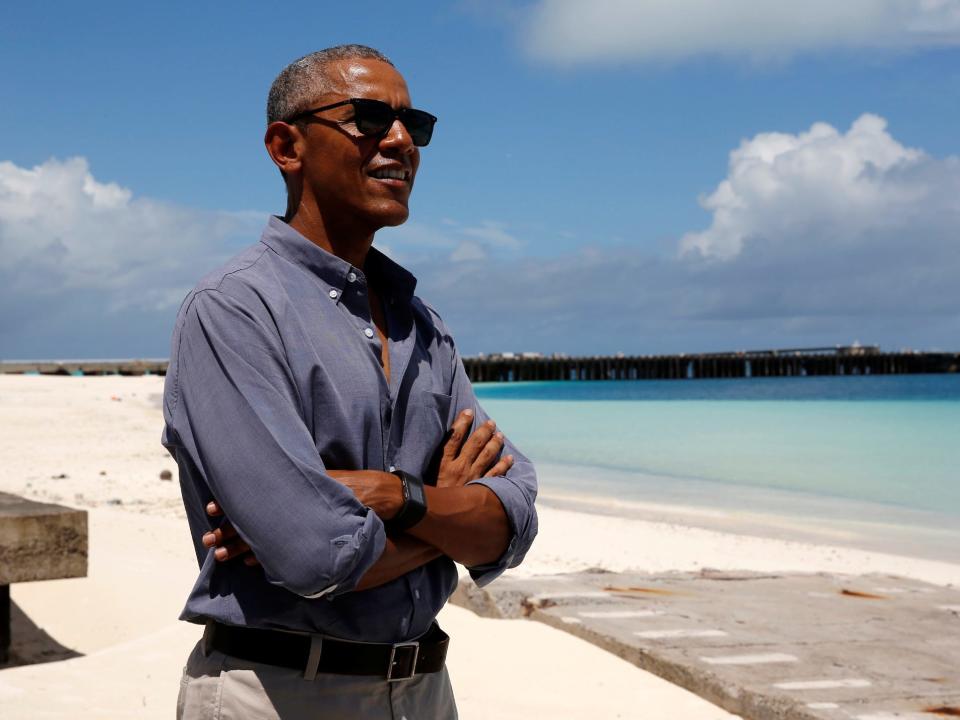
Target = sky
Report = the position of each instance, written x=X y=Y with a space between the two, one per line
x=636 y=176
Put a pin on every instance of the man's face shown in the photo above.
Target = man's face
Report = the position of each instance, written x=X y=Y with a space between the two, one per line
x=344 y=170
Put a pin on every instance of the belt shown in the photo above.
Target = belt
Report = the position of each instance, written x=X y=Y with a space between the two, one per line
x=319 y=653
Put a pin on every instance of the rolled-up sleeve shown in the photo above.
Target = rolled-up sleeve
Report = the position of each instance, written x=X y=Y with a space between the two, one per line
x=235 y=411
x=516 y=490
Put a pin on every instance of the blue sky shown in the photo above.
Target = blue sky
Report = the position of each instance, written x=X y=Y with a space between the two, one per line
x=616 y=176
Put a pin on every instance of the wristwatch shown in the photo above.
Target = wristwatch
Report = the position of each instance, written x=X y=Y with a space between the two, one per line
x=414 y=503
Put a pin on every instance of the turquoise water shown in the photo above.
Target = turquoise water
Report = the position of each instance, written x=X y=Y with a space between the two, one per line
x=889 y=441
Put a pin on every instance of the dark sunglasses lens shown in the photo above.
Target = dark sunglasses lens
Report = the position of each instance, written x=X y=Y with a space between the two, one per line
x=419 y=124
x=373 y=117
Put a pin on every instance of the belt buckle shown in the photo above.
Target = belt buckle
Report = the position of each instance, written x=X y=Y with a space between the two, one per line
x=394 y=660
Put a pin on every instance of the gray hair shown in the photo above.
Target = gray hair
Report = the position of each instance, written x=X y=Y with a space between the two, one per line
x=300 y=82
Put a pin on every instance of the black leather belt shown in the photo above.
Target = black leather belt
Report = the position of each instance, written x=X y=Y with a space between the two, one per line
x=318 y=653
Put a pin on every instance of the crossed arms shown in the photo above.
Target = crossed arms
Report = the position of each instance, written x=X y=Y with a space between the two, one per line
x=466 y=523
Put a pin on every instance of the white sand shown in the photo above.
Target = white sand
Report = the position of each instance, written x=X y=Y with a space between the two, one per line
x=122 y=617
x=618 y=544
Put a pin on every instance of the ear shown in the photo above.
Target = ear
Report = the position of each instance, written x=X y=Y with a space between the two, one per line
x=285 y=145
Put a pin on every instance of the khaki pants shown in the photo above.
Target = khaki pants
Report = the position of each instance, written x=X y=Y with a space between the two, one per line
x=222 y=687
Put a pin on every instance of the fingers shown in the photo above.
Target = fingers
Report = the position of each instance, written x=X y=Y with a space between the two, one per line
x=476 y=442
x=504 y=464
x=219 y=536
x=478 y=455
x=458 y=431
x=226 y=542
x=231 y=550
x=487 y=454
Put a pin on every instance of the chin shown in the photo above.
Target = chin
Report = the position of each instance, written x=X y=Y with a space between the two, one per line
x=394 y=216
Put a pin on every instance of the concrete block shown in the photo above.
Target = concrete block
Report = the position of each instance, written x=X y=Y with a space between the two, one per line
x=40 y=541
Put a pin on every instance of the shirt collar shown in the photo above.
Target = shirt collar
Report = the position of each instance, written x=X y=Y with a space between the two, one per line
x=393 y=280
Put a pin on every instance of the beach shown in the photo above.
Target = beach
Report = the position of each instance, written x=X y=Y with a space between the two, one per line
x=93 y=443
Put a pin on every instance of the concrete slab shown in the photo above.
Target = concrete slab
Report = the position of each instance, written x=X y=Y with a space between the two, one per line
x=766 y=647
x=40 y=541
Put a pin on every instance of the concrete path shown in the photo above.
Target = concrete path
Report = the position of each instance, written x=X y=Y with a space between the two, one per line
x=784 y=647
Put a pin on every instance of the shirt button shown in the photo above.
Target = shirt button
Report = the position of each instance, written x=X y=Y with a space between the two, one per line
x=416 y=594
x=351 y=276
x=333 y=294
x=368 y=332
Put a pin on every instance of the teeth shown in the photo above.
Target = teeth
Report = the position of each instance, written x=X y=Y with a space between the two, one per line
x=389 y=174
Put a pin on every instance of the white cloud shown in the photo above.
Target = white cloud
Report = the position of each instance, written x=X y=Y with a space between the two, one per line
x=61 y=230
x=492 y=233
x=468 y=252
x=457 y=242
x=827 y=189
x=570 y=31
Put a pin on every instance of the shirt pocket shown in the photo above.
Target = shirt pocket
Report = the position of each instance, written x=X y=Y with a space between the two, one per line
x=424 y=431
x=440 y=404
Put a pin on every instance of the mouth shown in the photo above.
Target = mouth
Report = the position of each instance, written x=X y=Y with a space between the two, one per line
x=393 y=175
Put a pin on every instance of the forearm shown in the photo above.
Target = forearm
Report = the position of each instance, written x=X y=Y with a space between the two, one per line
x=400 y=555
x=467 y=524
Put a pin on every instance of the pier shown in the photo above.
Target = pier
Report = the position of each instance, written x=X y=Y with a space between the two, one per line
x=510 y=367
x=793 y=362
x=84 y=367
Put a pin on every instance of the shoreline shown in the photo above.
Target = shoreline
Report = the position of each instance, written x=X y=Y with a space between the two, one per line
x=621 y=544
x=908 y=541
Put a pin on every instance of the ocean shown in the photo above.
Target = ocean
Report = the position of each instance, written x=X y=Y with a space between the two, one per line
x=874 y=460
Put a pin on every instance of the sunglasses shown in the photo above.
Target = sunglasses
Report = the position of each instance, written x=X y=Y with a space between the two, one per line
x=375 y=118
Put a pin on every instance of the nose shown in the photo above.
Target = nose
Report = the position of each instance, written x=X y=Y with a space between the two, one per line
x=398 y=139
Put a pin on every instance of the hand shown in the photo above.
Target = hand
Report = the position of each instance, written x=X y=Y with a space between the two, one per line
x=226 y=542
x=467 y=458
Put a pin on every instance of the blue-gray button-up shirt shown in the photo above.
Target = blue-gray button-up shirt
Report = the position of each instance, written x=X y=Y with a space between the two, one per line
x=275 y=376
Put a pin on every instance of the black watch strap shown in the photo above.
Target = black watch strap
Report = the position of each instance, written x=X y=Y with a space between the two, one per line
x=414 y=503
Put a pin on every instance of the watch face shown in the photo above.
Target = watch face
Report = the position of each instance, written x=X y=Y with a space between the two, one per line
x=416 y=492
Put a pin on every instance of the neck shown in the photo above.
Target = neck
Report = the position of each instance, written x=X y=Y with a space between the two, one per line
x=349 y=245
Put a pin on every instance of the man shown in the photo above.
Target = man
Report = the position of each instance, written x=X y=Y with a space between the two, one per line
x=323 y=408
